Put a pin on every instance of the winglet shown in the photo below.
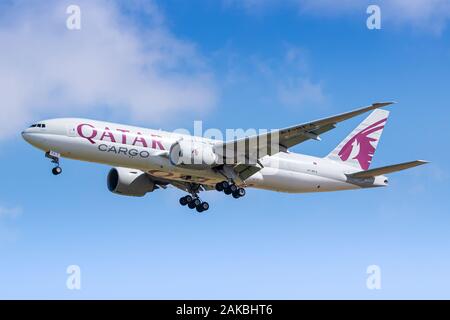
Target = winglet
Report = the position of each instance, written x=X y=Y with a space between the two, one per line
x=383 y=104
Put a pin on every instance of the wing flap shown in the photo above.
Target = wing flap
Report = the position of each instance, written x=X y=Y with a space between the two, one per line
x=246 y=171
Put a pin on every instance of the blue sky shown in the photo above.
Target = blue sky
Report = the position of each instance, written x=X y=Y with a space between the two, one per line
x=231 y=64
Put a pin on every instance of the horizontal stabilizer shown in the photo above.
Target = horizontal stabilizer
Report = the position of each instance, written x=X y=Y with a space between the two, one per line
x=385 y=170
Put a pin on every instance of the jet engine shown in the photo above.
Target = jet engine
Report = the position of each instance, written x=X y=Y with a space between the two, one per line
x=129 y=182
x=193 y=154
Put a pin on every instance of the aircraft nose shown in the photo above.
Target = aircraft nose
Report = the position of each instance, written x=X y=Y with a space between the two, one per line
x=24 y=134
x=31 y=137
x=36 y=138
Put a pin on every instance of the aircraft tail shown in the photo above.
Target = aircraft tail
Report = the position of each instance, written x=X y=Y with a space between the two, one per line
x=359 y=147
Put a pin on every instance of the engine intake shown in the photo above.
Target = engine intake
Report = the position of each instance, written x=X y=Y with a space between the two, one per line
x=129 y=182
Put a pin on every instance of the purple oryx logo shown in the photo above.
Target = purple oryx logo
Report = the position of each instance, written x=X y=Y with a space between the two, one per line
x=366 y=149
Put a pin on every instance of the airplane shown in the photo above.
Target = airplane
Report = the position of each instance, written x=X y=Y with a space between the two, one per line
x=145 y=160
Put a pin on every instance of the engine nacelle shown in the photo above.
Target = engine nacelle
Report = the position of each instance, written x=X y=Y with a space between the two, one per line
x=129 y=182
x=192 y=154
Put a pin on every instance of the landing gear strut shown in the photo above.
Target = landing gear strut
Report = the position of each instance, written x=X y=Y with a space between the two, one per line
x=230 y=188
x=194 y=203
x=54 y=156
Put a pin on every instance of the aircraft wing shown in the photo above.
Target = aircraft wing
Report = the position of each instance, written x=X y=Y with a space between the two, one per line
x=255 y=147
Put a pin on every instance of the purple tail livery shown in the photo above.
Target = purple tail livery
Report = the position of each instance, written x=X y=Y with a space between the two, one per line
x=358 y=149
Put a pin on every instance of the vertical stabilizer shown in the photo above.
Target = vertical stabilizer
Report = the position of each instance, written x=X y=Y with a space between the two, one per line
x=359 y=147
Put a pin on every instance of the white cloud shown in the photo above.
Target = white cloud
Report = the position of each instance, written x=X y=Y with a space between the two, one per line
x=427 y=14
x=301 y=92
x=250 y=6
x=431 y=15
x=285 y=78
x=112 y=63
x=290 y=76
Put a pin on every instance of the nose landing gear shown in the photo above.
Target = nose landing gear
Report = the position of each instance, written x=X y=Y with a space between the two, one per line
x=54 y=156
x=56 y=171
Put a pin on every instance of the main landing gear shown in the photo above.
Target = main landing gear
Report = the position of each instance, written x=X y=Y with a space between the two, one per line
x=230 y=188
x=194 y=202
x=54 y=156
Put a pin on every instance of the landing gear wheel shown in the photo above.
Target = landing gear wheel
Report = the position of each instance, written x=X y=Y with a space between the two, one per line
x=233 y=188
x=241 y=192
x=191 y=205
x=202 y=207
x=219 y=187
x=197 y=202
x=194 y=202
x=56 y=171
x=227 y=191
x=183 y=201
x=225 y=185
x=205 y=206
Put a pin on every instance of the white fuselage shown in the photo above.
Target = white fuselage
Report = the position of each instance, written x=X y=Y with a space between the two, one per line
x=145 y=149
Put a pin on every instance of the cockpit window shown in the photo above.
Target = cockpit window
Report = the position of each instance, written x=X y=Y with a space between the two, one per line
x=38 y=125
